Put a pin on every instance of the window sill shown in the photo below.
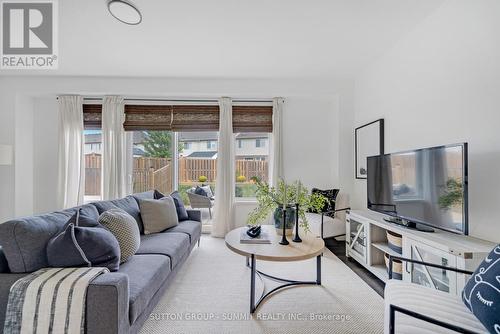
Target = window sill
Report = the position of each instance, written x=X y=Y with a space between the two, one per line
x=245 y=200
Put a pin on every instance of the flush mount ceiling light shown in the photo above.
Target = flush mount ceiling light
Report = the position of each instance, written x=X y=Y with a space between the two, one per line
x=125 y=11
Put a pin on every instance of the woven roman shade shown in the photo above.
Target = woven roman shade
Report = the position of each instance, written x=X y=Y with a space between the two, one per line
x=184 y=117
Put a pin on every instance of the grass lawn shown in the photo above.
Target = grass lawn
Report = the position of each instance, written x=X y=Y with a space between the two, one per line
x=243 y=189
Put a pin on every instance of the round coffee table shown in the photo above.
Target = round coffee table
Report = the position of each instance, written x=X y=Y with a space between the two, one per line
x=311 y=246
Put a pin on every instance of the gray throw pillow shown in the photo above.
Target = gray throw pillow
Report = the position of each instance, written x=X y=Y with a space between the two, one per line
x=77 y=246
x=158 y=214
x=124 y=228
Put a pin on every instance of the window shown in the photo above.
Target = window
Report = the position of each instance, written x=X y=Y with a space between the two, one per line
x=187 y=145
x=198 y=167
x=93 y=164
x=240 y=144
x=211 y=145
x=153 y=166
x=251 y=163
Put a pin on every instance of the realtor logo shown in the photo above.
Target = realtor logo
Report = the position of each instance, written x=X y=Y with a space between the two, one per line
x=29 y=34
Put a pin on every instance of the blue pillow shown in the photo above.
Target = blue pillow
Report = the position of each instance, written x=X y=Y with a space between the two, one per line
x=179 y=206
x=200 y=191
x=77 y=246
x=482 y=292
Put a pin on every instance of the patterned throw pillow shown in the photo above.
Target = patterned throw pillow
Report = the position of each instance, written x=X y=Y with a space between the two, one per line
x=331 y=196
x=482 y=292
x=124 y=228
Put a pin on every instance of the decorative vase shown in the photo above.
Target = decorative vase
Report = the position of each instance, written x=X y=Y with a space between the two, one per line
x=290 y=220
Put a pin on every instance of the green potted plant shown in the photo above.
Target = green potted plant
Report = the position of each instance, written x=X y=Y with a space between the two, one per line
x=271 y=199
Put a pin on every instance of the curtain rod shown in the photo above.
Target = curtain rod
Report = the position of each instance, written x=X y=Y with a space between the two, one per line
x=183 y=100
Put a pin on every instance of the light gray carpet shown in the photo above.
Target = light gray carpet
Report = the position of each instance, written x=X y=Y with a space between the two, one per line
x=211 y=295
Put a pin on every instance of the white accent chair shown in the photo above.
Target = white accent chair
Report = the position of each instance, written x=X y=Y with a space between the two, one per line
x=325 y=226
x=415 y=309
x=200 y=202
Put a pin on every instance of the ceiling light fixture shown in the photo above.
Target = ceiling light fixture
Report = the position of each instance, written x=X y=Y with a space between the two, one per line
x=125 y=11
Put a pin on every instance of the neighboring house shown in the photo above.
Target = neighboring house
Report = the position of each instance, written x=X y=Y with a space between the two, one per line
x=93 y=143
x=249 y=146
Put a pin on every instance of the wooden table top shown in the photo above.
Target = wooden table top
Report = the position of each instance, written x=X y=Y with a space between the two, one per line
x=311 y=246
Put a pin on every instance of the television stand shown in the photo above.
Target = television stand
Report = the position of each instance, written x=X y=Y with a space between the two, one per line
x=370 y=240
x=408 y=224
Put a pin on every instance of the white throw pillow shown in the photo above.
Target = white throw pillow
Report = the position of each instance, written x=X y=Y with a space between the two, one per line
x=158 y=214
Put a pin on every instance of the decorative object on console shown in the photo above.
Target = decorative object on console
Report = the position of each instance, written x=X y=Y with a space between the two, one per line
x=395 y=241
x=481 y=294
x=397 y=267
x=271 y=199
x=369 y=140
x=124 y=228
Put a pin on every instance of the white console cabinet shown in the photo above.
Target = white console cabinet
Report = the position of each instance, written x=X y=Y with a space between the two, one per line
x=366 y=242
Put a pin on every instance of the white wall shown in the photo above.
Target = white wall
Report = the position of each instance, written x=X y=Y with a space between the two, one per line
x=441 y=85
x=310 y=125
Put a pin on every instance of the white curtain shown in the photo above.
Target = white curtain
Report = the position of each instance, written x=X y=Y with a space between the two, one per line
x=276 y=165
x=225 y=181
x=117 y=150
x=71 y=178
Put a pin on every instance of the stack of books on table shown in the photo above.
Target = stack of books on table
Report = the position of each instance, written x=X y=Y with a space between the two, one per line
x=263 y=238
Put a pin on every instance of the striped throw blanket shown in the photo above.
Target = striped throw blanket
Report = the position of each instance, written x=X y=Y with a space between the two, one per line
x=50 y=300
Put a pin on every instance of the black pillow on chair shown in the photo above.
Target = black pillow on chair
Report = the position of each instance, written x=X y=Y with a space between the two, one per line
x=200 y=191
x=77 y=246
x=331 y=196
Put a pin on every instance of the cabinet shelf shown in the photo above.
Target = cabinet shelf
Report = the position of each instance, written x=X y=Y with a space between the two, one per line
x=384 y=247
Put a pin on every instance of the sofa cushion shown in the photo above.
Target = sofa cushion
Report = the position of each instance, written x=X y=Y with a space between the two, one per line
x=158 y=214
x=146 y=274
x=128 y=204
x=189 y=227
x=174 y=245
x=481 y=294
x=432 y=303
x=24 y=240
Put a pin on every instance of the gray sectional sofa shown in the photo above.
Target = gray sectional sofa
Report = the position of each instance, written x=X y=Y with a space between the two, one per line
x=117 y=302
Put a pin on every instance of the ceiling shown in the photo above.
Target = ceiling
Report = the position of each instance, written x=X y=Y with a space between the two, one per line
x=233 y=38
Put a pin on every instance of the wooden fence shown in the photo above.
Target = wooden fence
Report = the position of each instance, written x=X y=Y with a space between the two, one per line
x=157 y=173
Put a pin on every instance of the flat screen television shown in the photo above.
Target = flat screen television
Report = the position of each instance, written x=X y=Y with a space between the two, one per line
x=425 y=187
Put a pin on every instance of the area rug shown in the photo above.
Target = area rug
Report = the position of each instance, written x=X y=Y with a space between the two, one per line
x=211 y=295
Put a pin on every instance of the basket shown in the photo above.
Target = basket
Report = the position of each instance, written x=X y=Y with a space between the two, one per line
x=395 y=242
x=397 y=267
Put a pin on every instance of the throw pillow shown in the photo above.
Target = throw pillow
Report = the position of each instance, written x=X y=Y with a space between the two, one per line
x=77 y=246
x=482 y=292
x=179 y=206
x=158 y=215
x=157 y=195
x=331 y=196
x=83 y=219
x=124 y=228
x=200 y=191
x=208 y=190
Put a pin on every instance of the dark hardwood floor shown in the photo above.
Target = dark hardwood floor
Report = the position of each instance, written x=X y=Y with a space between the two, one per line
x=338 y=248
